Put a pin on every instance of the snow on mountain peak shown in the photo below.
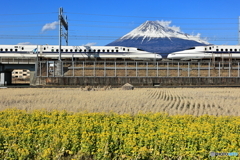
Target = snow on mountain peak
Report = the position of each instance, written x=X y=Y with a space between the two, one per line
x=160 y=29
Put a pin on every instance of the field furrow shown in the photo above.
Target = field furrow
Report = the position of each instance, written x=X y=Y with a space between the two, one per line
x=194 y=101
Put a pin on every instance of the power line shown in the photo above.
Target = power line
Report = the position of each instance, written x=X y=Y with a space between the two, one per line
x=25 y=21
x=146 y=17
x=134 y=23
x=101 y=26
x=20 y=14
x=29 y=25
x=96 y=37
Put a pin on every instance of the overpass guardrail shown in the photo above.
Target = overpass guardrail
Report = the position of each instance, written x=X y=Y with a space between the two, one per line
x=137 y=69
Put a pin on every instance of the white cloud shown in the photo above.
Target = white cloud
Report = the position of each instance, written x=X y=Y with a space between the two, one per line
x=24 y=43
x=167 y=25
x=50 y=26
x=90 y=44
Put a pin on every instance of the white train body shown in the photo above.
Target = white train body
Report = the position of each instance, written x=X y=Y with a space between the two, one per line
x=207 y=52
x=79 y=52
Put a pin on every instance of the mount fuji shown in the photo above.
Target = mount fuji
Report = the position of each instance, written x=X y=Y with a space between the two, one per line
x=159 y=37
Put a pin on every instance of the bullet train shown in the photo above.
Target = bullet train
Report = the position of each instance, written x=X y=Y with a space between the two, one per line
x=207 y=52
x=76 y=52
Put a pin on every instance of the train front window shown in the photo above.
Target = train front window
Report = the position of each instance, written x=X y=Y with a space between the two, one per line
x=139 y=49
x=192 y=48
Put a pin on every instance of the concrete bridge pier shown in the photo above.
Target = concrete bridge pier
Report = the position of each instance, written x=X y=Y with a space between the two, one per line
x=5 y=78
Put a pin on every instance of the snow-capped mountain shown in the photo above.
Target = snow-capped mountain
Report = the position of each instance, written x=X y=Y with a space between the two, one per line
x=159 y=37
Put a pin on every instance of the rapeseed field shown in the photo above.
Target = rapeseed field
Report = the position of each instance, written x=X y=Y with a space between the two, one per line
x=42 y=134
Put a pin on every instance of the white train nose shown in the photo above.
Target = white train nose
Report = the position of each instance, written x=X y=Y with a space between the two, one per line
x=171 y=55
x=158 y=56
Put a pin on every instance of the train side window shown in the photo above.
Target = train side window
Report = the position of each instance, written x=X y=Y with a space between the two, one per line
x=116 y=50
x=6 y=49
x=80 y=50
x=16 y=50
x=112 y=50
x=56 y=50
x=205 y=49
x=61 y=50
x=75 y=50
x=128 y=50
x=1 y=49
x=66 y=50
x=70 y=50
x=226 y=50
x=217 y=50
x=221 y=49
x=210 y=48
x=108 y=50
x=22 y=48
x=123 y=49
x=103 y=50
x=52 y=50
x=235 y=50
x=11 y=50
x=98 y=50
x=230 y=50
x=94 y=50
x=44 y=48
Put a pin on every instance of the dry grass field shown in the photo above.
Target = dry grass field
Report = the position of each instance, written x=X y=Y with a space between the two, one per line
x=192 y=101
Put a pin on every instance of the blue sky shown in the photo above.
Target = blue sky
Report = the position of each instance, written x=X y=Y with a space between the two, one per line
x=101 y=22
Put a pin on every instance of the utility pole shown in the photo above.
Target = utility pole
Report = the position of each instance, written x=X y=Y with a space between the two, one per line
x=239 y=30
x=62 y=23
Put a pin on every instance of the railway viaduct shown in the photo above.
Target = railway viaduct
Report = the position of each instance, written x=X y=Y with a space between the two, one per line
x=9 y=64
x=117 y=73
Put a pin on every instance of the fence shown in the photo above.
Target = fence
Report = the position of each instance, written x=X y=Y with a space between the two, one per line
x=137 y=69
x=17 y=60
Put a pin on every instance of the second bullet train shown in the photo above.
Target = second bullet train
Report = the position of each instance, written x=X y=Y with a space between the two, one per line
x=76 y=52
x=207 y=52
